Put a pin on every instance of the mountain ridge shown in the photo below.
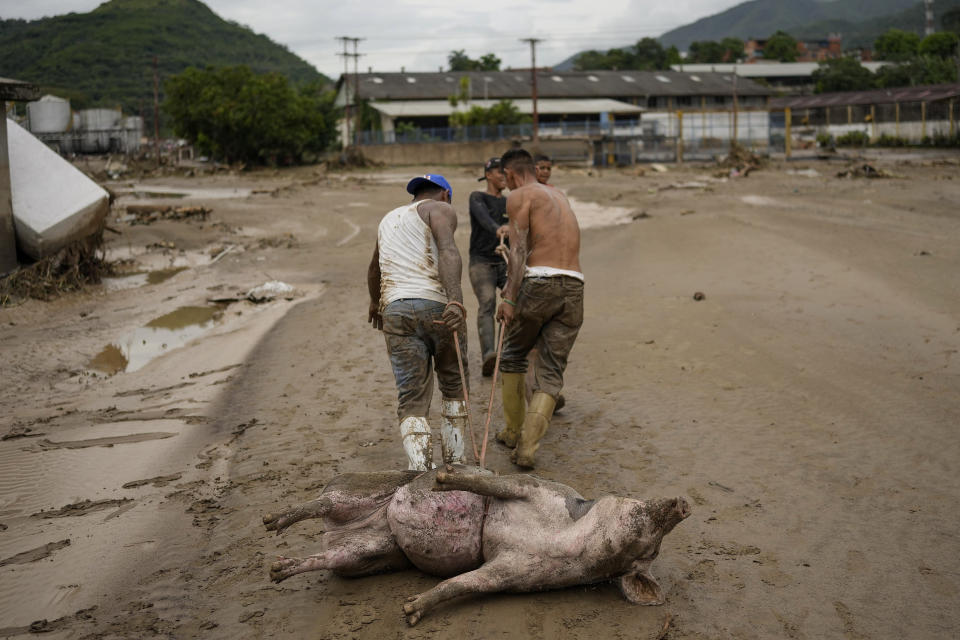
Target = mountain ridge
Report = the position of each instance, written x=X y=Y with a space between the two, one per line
x=104 y=57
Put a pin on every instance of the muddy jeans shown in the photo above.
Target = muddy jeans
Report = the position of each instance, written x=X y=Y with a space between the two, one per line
x=486 y=278
x=548 y=316
x=413 y=339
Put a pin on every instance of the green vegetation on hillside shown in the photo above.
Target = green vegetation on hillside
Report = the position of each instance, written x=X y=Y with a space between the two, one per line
x=916 y=62
x=236 y=115
x=760 y=18
x=105 y=57
x=646 y=55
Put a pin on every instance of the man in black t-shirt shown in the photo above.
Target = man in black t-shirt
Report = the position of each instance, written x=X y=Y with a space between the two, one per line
x=488 y=271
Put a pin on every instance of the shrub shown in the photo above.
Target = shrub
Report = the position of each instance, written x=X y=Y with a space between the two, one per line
x=853 y=139
x=825 y=140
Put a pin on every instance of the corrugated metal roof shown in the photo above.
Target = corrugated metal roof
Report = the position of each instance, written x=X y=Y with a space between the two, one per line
x=928 y=93
x=17 y=90
x=423 y=108
x=498 y=85
x=765 y=69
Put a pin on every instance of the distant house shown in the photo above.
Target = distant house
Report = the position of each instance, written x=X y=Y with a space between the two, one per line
x=566 y=100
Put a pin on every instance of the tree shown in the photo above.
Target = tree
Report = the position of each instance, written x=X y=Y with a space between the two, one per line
x=939 y=45
x=503 y=112
x=489 y=62
x=460 y=61
x=732 y=49
x=918 y=70
x=233 y=114
x=780 y=46
x=842 y=74
x=646 y=55
x=896 y=45
x=706 y=51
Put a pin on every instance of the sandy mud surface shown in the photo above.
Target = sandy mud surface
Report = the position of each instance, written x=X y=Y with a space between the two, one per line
x=807 y=406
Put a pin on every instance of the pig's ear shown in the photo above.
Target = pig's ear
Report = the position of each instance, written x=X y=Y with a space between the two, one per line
x=639 y=587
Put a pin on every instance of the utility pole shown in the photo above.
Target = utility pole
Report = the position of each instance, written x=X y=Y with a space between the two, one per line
x=928 y=9
x=346 y=89
x=533 y=89
x=156 y=111
x=348 y=113
x=736 y=113
x=356 y=86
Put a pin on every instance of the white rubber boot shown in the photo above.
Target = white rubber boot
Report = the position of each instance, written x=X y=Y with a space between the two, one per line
x=452 y=427
x=417 y=443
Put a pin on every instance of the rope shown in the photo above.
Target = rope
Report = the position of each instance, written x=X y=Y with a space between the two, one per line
x=493 y=392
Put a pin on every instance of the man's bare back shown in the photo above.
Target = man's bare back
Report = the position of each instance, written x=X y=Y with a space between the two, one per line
x=553 y=235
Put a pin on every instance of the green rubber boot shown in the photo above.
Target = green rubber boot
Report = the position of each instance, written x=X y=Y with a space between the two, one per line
x=534 y=428
x=514 y=408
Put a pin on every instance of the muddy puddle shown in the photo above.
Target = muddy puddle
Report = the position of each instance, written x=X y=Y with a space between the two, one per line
x=160 y=335
x=140 y=278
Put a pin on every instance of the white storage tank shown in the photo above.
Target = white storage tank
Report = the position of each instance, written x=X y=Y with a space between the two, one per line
x=132 y=132
x=99 y=119
x=49 y=114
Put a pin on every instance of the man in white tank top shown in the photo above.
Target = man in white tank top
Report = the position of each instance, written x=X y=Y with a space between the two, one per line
x=416 y=300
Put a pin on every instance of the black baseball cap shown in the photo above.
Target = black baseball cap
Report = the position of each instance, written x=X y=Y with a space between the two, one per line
x=492 y=163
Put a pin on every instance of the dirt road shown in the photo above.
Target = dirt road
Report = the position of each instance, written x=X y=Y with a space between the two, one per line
x=807 y=406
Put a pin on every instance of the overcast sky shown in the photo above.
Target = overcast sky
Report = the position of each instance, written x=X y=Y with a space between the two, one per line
x=419 y=34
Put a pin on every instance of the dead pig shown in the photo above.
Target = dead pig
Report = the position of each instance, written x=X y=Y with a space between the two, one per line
x=510 y=533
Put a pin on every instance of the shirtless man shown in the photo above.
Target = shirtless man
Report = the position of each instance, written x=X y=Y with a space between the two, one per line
x=542 y=302
x=416 y=300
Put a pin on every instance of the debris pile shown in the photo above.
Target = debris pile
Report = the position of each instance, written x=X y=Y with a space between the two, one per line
x=739 y=163
x=78 y=264
x=864 y=171
x=150 y=213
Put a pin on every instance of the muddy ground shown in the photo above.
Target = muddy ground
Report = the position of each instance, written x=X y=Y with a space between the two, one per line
x=807 y=406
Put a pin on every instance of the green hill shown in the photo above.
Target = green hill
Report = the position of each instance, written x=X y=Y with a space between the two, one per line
x=105 y=57
x=761 y=18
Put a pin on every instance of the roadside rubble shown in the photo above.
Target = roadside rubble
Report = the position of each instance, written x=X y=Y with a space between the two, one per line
x=865 y=170
x=150 y=213
x=739 y=163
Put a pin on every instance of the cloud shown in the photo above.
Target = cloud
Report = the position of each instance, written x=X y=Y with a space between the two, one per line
x=420 y=34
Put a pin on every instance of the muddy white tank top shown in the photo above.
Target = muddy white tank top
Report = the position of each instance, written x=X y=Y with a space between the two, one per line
x=408 y=257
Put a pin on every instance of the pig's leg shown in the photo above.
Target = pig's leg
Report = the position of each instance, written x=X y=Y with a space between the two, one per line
x=490 y=578
x=347 y=497
x=505 y=488
x=640 y=587
x=318 y=508
x=360 y=554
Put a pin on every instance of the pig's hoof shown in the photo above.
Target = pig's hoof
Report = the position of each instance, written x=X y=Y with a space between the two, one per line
x=413 y=610
x=282 y=568
x=274 y=522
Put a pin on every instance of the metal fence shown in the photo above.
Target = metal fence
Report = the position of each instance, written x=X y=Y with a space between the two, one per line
x=658 y=137
x=487 y=133
x=904 y=123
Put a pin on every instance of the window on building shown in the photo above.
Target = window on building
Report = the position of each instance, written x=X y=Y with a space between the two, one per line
x=652 y=102
x=684 y=101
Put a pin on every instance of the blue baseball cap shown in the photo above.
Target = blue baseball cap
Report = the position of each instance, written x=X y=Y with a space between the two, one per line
x=430 y=178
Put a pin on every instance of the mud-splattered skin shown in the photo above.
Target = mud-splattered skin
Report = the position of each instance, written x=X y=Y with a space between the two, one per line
x=536 y=534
